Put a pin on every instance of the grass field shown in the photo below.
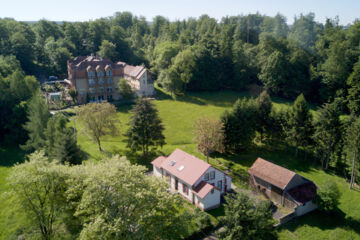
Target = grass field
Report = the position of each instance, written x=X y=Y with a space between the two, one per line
x=178 y=117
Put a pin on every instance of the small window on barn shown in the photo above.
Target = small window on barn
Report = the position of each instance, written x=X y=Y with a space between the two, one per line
x=206 y=176
x=212 y=175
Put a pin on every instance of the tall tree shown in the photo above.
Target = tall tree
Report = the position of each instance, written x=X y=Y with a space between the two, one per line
x=108 y=50
x=354 y=89
x=38 y=115
x=39 y=186
x=327 y=132
x=146 y=128
x=246 y=218
x=300 y=126
x=353 y=149
x=209 y=134
x=61 y=143
x=239 y=127
x=263 y=110
x=99 y=120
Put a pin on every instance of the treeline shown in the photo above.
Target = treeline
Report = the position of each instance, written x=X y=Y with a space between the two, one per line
x=332 y=141
x=204 y=54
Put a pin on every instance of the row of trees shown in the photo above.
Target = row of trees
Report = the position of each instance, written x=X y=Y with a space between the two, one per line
x=332 y=140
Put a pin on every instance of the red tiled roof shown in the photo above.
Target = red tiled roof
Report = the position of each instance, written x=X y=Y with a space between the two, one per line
x=158 y=161
x=303 y=193
x=271 y=173
x=184 y=166
x=203 y=189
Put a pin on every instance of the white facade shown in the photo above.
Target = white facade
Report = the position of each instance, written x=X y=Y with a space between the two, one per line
x=305 y=208
x=212 y=176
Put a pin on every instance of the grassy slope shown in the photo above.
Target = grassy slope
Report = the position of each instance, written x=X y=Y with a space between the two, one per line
x=178 y=117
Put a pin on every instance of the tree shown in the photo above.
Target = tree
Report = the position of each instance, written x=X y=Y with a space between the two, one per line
x=327 y=132
x=114 y=199
x=99 y=120
x=60 y=141
x=328 y=196
x=38 y=115
x=73 y=94
x=300 y=123
x=125 y=89
x=263 y=110
x=108 y=50
x=239 y=127
x=354 y=89
x=353 y=148
x=146 y=128
x=209 y=134
x=39 y=186
x=171 y=81
x=246 y=218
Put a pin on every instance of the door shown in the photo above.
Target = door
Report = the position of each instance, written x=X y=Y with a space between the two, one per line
x=193 y=198
x=176 y=183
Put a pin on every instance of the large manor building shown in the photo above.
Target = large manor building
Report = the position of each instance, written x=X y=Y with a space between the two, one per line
x=96 y=79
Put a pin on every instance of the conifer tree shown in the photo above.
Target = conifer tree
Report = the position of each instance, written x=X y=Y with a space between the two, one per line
x=327 y=132
x=300 y=127
x=263 y=109
x=146 y=128
x=38 y=115
x=60 y=141
x=354 y=91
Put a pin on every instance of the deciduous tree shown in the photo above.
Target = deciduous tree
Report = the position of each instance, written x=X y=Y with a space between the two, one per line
x=209 y=134
x=99 y=120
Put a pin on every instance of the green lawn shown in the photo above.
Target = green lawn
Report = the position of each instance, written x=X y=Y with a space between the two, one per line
x=178 y=117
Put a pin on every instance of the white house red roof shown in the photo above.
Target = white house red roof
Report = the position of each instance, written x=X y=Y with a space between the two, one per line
x=183 y=166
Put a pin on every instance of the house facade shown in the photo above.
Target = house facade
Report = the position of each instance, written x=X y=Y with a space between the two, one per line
x=283 y=186
x=96 y=79
x=194 y=179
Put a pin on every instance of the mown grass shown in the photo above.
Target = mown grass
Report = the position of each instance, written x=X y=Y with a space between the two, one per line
x=178 y=117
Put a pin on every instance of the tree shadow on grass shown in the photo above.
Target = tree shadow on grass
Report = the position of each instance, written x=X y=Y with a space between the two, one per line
x=137 y=157
x=280 y=154
x=324 y=221
x=9 y=156
x=124 y=108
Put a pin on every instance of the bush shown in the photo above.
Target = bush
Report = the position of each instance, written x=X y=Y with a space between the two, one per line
x=328 y=197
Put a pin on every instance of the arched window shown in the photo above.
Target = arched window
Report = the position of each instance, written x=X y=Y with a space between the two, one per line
x=91 y=74
x=109 y=73
x=100 y=73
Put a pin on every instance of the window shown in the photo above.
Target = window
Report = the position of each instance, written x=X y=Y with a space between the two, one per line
x=185 y=189
x=91 y=82
x=91 y=74
x=101 y=89
x=101 y=81
x=100 y=73
x=109 y=73
x=212 y=191
x=219 y=185
x=212 y=175
x=168 y=177
x=92 y=90
x=206 y=176
x=109 y=80
x=109 y=89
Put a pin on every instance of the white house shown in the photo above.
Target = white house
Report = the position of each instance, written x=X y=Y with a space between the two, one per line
x=196 y=180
